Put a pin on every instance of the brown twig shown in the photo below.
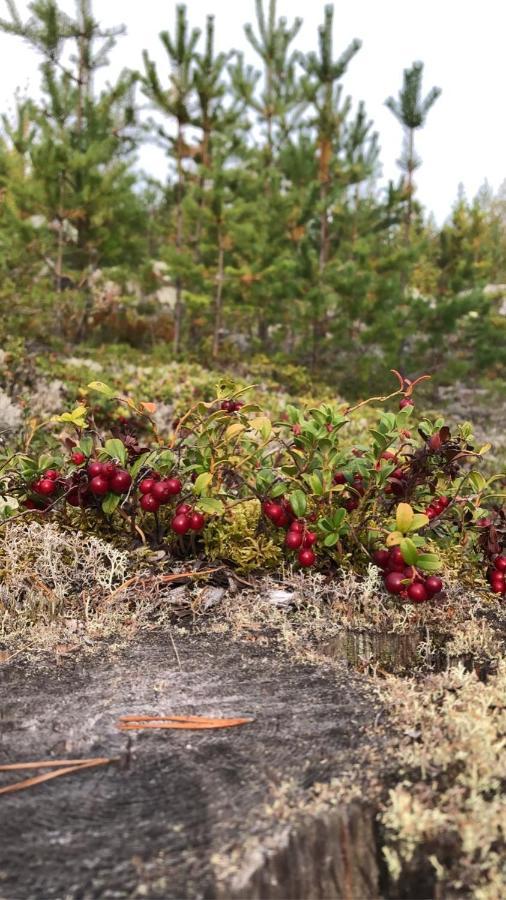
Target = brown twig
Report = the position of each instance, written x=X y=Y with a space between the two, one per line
x=137 y=579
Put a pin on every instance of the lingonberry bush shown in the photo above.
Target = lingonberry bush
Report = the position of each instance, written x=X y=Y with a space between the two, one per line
x=229 y=481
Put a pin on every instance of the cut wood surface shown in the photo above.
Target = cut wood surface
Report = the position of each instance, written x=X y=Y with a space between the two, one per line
x=185 y=813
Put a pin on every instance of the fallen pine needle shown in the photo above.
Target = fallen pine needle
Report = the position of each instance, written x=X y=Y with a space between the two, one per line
x=138 y=723
x=47 y=776
x=50 y=763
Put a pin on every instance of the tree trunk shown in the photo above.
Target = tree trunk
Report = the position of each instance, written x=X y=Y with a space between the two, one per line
x=218 y=301
x=178 y=310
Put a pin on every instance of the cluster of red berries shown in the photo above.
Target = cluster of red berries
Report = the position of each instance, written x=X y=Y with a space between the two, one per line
x=405 y=580
x=497 y=576
x=104 y=477
x=157 y=491
x=47 y=484
x=298 y=535
x=231 y=406
x=436 y=507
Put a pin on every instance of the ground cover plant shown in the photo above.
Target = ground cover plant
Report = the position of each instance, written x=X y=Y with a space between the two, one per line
x=229 y=482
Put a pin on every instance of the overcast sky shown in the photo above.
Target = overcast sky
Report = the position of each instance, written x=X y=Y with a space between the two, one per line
x=461 y=42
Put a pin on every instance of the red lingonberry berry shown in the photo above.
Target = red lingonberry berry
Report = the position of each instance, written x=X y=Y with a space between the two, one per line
x=180 y=524
x=149 y=503
x=184 y=509
x=306 y=557
x=339 y=478
x=227 y=405
x=500 y=563
x=52 y=474
x=273 y=511
x=121 y=481
x=45 y=486
x=498 y=586
x=99 y=485
x=394 y=582
x=109 y=470
x=417 y=592
x=381 y=558
x=174 y=486
x=293 y=540
x=197 y=521
x=147 y=485
x=309 y=539
x=444 y=501
x=351 y=504
x=297 y=526
x=78 y=458
x=406 y=401
x=161 y=491
x=95 y=468
x=434 y=585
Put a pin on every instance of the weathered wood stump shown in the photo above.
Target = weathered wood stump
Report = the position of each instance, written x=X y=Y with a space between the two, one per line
x=189 y=814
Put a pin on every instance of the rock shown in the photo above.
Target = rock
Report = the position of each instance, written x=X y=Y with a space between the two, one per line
x=247 y=812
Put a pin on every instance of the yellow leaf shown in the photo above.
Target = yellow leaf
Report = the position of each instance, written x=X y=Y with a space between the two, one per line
x=404 y=517
x=148 y=407
x=234 y=429
x=262 y=424
x=394 y=538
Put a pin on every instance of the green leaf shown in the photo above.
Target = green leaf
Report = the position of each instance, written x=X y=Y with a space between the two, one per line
x=102 y=388
x=139 y=462
x=420 y=520
x=428 y=562
x=477 y=481
x=77 y=417
x=338 y=518
x=316 y=484
x=116 y=450
x=298 y=501
x=110 y=502
x=86 y=445
x=210 y=505
x=409 y=552
x=202 y=483
x=331 y=540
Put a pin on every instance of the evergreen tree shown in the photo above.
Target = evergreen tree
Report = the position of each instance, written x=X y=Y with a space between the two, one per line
x=411 y=110
x=81 y=149
x=175 y=102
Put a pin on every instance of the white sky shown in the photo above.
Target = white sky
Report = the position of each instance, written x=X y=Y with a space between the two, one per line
x=461 y=42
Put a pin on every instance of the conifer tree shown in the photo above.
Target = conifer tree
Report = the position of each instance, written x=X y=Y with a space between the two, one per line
x=176 y=101
x=411 y=110
x=82 y=143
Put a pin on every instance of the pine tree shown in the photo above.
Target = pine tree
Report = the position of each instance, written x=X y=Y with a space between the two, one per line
x=411 y=110
x=175 y=102
x=81 y=147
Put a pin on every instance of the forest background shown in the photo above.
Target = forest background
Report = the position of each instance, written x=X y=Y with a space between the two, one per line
x=273 y=236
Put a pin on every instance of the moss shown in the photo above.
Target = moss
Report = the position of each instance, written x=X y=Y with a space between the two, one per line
x=236 y=537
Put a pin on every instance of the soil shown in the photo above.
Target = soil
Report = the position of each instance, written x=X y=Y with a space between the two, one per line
x=186 y=814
